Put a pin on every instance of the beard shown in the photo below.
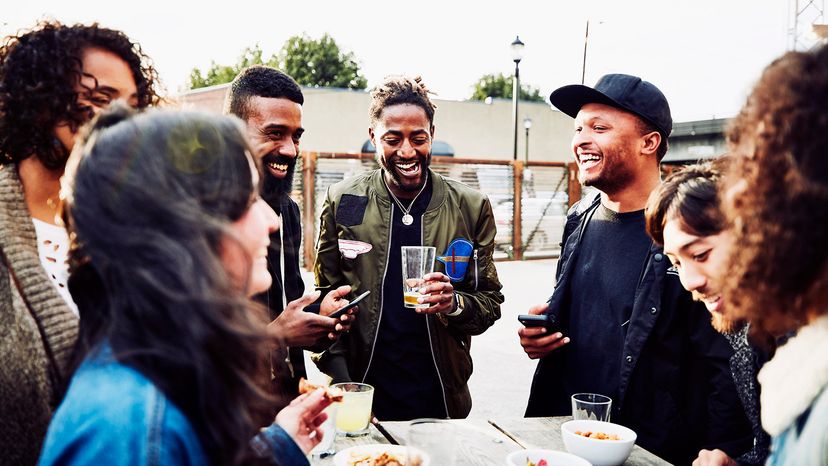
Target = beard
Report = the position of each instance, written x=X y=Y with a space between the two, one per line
x=616 y=174
x=397 y=179
x=273 y=187
x=724 y=324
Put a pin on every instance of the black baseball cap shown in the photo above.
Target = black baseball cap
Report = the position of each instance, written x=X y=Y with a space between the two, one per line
x=623 y=91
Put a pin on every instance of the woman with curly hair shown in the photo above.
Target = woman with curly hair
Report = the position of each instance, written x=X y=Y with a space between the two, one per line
x=170 y=239
x=53 y=78
x=776 y=197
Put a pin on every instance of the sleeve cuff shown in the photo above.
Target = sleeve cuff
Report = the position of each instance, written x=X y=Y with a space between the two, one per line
x=274 y=442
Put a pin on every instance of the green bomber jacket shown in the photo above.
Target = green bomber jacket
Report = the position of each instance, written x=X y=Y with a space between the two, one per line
x=352 y=249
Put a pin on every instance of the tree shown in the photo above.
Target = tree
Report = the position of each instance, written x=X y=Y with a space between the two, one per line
x=315 y=63
x=320 y=63
x=497 y=85
x=220 y=74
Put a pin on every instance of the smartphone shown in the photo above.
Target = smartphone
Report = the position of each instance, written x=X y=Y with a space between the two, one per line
x=541 y=320
x=339 y=312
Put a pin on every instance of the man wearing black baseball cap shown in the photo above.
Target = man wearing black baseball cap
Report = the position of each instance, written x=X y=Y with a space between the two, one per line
x=628 y=328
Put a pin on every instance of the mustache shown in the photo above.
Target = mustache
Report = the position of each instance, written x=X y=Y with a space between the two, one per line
x=279 y=159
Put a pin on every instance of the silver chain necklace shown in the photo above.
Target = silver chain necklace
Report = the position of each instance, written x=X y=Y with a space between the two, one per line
x=407 y=219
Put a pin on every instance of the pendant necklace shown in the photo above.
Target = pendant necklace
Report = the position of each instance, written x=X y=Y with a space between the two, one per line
x=407 y=218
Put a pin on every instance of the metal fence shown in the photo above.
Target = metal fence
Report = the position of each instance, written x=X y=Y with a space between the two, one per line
x=545 y=191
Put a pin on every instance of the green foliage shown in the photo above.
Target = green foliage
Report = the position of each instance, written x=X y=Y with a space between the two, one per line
x=320 y=63
x=498 y=85
x=311 y=62
x=220 y=74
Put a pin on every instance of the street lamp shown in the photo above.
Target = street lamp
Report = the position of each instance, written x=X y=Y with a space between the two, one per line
x=517 y=55
x=586 y=39
x=527 y=123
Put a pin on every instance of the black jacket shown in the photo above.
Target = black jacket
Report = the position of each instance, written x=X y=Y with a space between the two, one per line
x=285 y=380
x=675 y=387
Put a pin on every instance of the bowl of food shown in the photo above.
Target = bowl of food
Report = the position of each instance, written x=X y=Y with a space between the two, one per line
x=540 y=457
x=381 y=455
x=600 y=443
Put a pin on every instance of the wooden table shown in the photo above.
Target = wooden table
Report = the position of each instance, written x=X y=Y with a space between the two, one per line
x=545 y=432
x=481 y=443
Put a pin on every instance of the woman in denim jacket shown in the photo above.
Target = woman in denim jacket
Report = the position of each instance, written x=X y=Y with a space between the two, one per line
x=170 y=239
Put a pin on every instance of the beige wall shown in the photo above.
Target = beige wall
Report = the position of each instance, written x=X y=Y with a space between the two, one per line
x=336 y=120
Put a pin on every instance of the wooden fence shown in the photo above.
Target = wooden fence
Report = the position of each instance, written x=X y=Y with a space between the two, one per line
x=529 y=200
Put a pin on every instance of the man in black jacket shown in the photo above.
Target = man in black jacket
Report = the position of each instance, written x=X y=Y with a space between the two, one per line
x=270 y=103
x=629 y=329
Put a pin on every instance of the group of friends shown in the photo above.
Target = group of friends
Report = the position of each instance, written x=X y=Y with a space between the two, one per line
x=153 y=309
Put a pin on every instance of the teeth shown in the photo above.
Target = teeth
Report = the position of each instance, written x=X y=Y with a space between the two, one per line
x=589 y=157
x=406 y=166
x=277 y=166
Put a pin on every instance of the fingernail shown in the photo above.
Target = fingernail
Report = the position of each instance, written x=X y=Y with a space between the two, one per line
x=566 y=340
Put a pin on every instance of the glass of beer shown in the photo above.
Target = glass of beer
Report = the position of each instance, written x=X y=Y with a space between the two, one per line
x=417 y=262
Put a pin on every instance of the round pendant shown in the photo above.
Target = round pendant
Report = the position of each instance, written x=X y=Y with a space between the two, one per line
x=407 y=219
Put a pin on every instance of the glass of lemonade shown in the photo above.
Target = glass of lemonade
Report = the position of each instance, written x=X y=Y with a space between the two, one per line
x=417 y=262
x=354 y=413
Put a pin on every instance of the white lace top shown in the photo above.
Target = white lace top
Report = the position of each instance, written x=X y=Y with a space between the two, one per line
x=53 y=247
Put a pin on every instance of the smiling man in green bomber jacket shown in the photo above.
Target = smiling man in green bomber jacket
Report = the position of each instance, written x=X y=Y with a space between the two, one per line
x=418 y=361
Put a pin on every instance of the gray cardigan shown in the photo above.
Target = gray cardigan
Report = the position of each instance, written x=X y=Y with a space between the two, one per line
x=37 y=331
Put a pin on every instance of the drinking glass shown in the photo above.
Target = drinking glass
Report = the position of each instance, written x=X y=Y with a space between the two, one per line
x=591 y=406
x=354 y=412
x=326 y=446
x=435 y=437
x=417 y=262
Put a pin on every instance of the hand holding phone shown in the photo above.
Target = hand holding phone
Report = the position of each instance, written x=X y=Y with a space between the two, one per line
x=540 y=320
x=341 y=311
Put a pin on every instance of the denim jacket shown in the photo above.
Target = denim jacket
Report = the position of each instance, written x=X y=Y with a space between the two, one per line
x=114 y=415
x=795 y=398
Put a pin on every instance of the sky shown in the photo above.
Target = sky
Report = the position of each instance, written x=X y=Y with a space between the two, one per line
x=705 y=55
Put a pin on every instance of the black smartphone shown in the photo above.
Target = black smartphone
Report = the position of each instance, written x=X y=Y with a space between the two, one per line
x=339 y=312
x=541 y=320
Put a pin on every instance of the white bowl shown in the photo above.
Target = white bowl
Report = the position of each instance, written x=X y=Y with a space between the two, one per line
x=598 y=452
x=344 y=457
x=552 y=457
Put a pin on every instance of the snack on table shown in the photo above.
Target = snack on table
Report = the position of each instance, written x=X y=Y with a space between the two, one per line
x=598 y=435
x=380 y=459
x=331 y=393
x=539 y=463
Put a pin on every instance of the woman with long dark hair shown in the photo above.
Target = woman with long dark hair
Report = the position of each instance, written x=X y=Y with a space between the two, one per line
x=171 y=238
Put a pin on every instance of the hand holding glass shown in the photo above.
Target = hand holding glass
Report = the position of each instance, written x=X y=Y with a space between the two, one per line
x=417 y=262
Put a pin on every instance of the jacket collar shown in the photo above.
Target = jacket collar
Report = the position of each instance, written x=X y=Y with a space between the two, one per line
x=438 y=188
x=795 y=377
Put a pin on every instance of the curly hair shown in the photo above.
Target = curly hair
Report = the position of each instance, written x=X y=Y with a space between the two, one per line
x=690 y=195
x=39 y=70
x=776 y=195
x=260 y=81
x=396 y=90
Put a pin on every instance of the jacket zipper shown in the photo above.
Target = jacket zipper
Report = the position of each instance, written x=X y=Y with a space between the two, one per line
x=475 y=270
x=431 y=343
x=382 y=292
